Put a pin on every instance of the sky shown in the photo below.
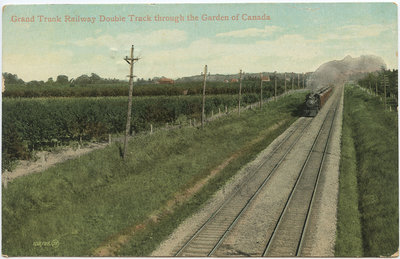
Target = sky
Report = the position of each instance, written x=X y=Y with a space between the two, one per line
x=298 y=37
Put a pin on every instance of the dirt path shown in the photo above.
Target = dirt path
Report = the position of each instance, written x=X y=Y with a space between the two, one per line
x=47 y=160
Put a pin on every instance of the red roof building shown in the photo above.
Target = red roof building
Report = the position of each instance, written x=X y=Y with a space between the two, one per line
x=166 y=81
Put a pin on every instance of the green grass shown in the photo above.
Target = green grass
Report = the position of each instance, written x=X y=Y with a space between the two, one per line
x=83 y=202
x=349 y=237
x=374 y=133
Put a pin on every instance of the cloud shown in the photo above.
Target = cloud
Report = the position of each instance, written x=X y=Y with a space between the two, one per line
x=154 y=38
x=288 y=52
x=160 y=56
x=350 y=32
x=251 y=32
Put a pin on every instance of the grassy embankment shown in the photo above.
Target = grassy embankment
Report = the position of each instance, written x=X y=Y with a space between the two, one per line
x=82 y=204
x=368 y=197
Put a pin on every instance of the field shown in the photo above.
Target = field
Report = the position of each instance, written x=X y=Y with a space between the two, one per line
x=37 y=123
x=121 y=89
x=75 y=207
x=368 y=199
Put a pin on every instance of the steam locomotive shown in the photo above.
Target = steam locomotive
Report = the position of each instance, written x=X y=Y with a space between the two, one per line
x=315 y=101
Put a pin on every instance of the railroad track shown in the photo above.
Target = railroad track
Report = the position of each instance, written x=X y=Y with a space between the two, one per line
x=211 y=234
x=289 y=233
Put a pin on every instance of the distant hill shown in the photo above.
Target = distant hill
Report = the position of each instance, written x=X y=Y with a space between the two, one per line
x=337 y=71
x=229 y=77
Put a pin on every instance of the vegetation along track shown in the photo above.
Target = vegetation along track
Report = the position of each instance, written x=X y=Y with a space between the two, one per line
x=289 y=232
x=211 y=234
x=288 y=226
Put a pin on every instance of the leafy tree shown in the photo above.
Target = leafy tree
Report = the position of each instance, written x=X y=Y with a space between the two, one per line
x=62 y=79
x=12 y=79
x=34 y=83
x=94 y=78
x=50 y=81
x=82 y=80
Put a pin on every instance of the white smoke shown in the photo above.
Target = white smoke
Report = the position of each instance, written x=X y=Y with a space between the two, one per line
x=338 y=71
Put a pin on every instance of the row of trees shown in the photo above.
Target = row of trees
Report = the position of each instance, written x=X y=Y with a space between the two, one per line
x=83 y=80
x=374 y=82
x=94 y=79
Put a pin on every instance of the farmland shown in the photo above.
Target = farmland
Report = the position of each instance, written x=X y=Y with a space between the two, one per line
x=121 y=89
x=33 y=124
x=82 y=203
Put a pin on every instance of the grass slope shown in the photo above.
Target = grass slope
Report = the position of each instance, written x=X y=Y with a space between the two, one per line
x=349 y=237
x=375 y=162
x=73 y=208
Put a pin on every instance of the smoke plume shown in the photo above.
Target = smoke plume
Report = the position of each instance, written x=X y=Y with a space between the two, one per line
x=338 y=71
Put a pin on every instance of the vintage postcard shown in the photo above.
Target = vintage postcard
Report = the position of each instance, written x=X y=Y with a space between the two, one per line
x=200 y=129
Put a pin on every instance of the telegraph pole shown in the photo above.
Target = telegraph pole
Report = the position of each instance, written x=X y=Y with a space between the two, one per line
x=261 y=79
x=385 y=83
x=298 y=81
x=204 y=96
x=292 y=81
x=130 y=61
x=275 y=87
x=285 y=83
x=240 y=90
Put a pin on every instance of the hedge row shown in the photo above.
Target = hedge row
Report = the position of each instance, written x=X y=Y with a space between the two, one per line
x=32 y=124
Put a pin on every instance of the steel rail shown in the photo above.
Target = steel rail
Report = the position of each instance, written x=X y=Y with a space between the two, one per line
x=240 y=187
x=297 y=181
x=300 y=245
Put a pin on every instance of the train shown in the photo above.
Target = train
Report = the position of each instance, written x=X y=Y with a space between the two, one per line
x=315 y=101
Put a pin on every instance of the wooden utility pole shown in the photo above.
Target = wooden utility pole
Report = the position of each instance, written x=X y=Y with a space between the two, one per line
x=261 y=81
x=385 y=83
x=385 y=78
x=130 y=61
x=275 y=88
x=292 y=81
x=204 y=97
x=285 y=83
x=240 y=90
x=298 y=81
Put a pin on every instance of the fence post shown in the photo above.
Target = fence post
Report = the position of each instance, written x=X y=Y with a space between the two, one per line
x=275 y=88
x=261 y=79
x=151 y=128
